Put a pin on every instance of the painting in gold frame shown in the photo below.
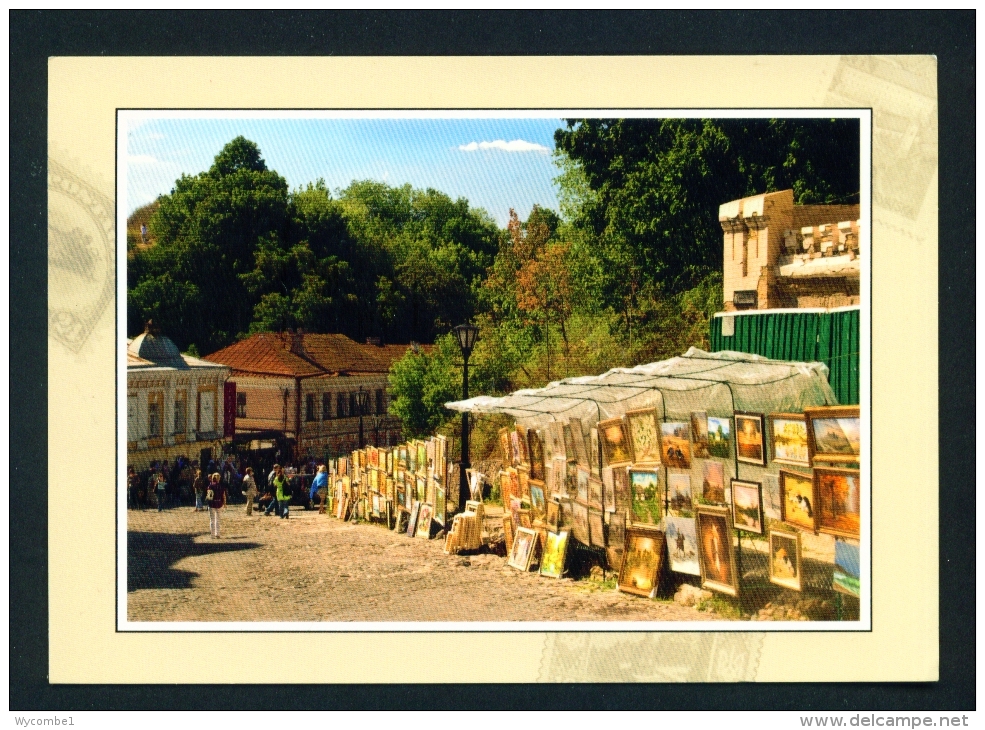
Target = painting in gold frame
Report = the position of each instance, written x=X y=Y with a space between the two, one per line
x=644 y=436
x=750 y=438
x=747 y=506
x=715 y=551
x=837 y=495
x=523 y=455
x=579 y=522
x=424 y=517
x=596 y=528
x=675 y=444
x=522 y=552
x=642 y=561
x=569 y=441
x=578 y=440
x=834 y=434
x=797 y=501
x=785 y=562
x=535 y=448
x=555 y=549
x=699 y=434
x=615 y=442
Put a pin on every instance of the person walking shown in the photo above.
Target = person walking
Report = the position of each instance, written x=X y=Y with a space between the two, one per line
x=198 y=486
x=319 y=488
x=282 y=488
x=216 y=497
x=250 y=490
x=133 y=486
x=160 y=485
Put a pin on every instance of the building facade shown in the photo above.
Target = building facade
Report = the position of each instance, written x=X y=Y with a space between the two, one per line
x=780 y=255
x=175 y=403
x=299 y=393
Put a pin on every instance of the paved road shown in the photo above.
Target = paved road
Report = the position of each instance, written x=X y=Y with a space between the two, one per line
x=313 y=567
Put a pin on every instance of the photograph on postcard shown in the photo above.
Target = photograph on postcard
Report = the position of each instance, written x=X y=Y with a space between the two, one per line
x=369 y=308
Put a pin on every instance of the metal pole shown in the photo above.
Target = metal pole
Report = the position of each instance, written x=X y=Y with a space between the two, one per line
x=463 y=480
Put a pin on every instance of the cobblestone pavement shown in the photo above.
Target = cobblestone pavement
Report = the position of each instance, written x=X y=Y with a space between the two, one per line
x=313 y=567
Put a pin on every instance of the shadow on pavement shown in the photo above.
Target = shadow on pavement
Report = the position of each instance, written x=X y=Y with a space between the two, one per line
x=151 y=555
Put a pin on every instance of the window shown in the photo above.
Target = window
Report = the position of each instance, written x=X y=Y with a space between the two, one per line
x=155 y=414
x=341 y=410
x=206 y=411
x=133 y=424
x=309 y=407
x=241 y=405
x=353 y=404
x=180 y=416
x=379 y=402
x=326 y=406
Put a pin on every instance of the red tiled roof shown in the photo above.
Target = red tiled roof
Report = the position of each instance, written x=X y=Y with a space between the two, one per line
x=313 y=354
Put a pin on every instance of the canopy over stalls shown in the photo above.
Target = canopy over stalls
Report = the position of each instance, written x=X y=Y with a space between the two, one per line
x=718 y=383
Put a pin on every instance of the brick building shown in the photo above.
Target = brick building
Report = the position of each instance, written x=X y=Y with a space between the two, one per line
x=297 y=393
x=781 y=255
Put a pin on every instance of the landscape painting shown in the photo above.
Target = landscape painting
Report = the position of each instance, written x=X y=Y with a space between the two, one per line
x=615 y=443
x=713 y=482
x=699 y=434
x=641 y=561
x=838 y=501
x=834 y=434
x=679 y=492
x=790 y=440
x=749 y=438
x=647 y=499
x=675 y=444
x=747 y=506
x=847 y=568
x=719 y=437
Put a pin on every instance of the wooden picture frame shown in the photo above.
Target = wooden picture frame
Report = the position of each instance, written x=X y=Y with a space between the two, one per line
x=675 y=444
x=719 y=437
x=521 y=445
x=538 y=498
x=555 y=433
x=555 y=550
x=579 y=523
x=505 y=446
x=553 y=515
x=642 y=562
x=834 y=434
x=699 y=434
x=440 y=505
x=608 y=490
x=508 y=532
x=615 y=442
x=646 y=495
x=595 y=488
x=412 y=519
x=643 y=426
x=715 y=551
x=594 y=455
x=522 y=551
x=747 y=506
x=621 y=491
x=570 y=453
x=838 y=501
x=424 y=517
x=535 y=449
x=797 y=500
x=578 y=439
x=680 y=496
x=750 y=438
x=786 y=568
x=788 y=439
x=583 y=477
x=596 y=528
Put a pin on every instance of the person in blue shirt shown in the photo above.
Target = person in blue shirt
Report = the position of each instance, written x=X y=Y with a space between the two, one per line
x=319 y=483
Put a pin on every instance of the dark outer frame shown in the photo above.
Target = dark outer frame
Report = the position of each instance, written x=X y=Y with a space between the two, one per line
x=36 y=35
x=762 y=434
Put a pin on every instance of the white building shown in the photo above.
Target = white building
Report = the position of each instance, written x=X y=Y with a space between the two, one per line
x=174 y=402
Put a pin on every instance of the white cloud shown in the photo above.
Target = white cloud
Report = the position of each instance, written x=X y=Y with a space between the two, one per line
x=517 y=145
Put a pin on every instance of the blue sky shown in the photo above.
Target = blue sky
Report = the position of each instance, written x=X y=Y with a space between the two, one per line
x=495 y=163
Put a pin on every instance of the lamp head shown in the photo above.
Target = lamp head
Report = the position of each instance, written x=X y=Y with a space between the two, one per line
x=467 y=335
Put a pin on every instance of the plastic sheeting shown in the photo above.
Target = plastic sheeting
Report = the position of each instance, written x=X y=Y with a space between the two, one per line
x=718 y=383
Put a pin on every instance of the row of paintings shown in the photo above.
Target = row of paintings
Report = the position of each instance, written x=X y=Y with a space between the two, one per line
x=830 y=435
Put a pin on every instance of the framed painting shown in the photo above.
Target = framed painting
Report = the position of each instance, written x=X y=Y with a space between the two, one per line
x=424 y=516
x=617 y=530
x=747 y=506
x=553 y=515
x=713 y=482
x=699 y=434
x=584 y=476
x=400 y=493
x=569 y=441
x=375 y=504
x=837 y=501
x=555 y=433
x=797 y=503
x=412 y=520
x=402 y=457
x=682 y=545
x=788 y=437
x=515 y=506
x=430 y=446
x=644 y=436
x=579 y=522
x=535 y=448
x=400 y=520
x=523 y=456
x=555 y=549
x=834 y=434
x=440 y=505
x=615 y=442
x=621 y=490
x=508 y=532
x=525 y=518
x=647 y=501
x=846 y=577
x=719 y=437
x=594 y=457
x=374 y=457
x=679 y=496
x=559 y=473
x=595 y=492
x=538 y=502
x=578 y=441
x=675 y=444
x=642 y=560
x=441 y=457
x=523 y=476
x=785 y=564
x=608 y=490
x=596 y=528
x=522 y=552
x=421 y=488
x=412 y=458
x=715 y=551
x=749 y=444
x=422 y=456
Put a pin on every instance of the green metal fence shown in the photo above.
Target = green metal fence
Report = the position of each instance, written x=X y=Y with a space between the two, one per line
x=828 y=337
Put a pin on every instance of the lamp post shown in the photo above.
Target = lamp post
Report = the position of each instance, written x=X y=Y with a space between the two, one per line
x=362 y=397
x=467 y=335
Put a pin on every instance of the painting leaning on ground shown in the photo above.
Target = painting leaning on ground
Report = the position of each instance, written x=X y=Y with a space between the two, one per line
x=295 y=285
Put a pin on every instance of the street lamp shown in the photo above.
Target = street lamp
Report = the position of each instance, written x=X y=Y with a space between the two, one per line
x=467 y=335
x=362 y=397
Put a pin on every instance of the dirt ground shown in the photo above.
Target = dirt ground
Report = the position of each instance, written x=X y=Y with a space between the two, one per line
x=313 y=567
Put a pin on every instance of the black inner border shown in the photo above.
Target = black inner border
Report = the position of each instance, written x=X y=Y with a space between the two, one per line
x=36 y=35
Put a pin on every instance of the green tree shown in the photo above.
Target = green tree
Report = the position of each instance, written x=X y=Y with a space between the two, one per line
x=421 y=383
